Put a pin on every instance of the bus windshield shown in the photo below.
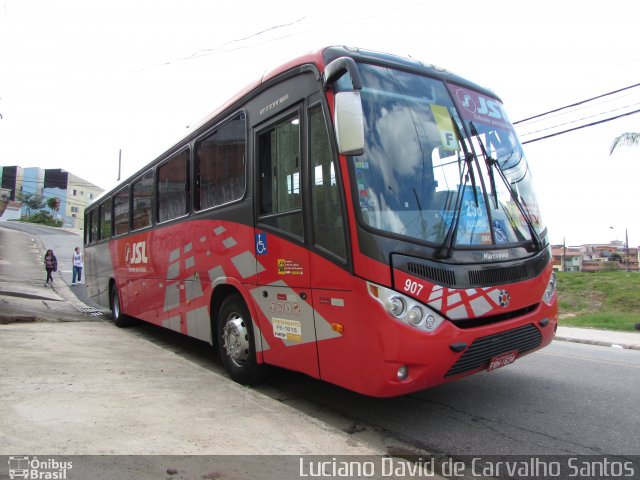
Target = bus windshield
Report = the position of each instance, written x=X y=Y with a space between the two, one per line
x=440 y=161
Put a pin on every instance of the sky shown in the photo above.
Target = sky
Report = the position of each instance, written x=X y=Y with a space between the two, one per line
x=82 y=80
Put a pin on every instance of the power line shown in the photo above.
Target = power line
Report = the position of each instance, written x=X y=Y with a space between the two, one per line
x=580 y=119
x=577 y=103
x=573 y=111
x=582 y=126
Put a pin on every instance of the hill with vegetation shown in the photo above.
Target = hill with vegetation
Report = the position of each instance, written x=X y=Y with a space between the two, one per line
x=607 y=300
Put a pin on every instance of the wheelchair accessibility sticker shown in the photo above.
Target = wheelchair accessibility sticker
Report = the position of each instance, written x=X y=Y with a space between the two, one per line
x=261 y=243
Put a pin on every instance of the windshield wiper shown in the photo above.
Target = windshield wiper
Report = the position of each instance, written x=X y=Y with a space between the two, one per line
x=491 y=163
x=423 y=222
x=465 y=173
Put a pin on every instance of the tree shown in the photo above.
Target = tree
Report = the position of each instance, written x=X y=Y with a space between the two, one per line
x=31 y=201
x=54 y=204
x=629 y=139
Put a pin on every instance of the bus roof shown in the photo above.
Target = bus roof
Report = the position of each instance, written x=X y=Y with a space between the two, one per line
x=325 y=55
x=319 y=58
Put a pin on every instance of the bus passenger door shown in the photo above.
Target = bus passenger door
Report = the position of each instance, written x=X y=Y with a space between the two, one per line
x=283 y=296
x=338 y=332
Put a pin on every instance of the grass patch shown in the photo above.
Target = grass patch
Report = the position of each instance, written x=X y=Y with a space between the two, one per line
x=606 y=300
x=619 y=321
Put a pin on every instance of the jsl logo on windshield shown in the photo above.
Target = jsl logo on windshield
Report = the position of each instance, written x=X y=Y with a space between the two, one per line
x=474 y=103
x=476 y=107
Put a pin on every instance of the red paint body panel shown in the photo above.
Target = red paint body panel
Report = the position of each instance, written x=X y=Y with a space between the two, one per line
x=176 y=269
x=375 y=345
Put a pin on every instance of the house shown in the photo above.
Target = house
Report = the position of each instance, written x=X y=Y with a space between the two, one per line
x=11 y=212
x=73 y=193
x=566 y=259
x=595 y=257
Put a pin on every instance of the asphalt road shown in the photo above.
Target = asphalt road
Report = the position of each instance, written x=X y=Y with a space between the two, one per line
x=62 y=242
x=566 y=399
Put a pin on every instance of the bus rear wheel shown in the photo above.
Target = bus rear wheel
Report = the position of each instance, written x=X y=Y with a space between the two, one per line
x=236 y=342
x=119 y=318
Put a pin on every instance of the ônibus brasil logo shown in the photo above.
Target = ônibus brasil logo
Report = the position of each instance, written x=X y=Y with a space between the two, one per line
x=34 y=468
x=135 y=254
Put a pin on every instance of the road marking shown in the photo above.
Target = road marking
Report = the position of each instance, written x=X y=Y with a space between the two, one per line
x=609 y=362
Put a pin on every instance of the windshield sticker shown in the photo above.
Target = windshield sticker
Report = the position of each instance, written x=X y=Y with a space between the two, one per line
x=445 y=127
x=473 y=226
x=479 y=108
x=500 y=231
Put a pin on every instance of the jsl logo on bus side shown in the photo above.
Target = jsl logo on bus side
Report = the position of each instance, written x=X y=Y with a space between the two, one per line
x=136 y=254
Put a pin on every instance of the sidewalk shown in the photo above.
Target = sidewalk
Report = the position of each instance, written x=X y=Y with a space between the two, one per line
x=74 y=384
x=31 y=303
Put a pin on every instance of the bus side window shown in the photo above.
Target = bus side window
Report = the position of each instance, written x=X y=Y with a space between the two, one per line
x=87 y=222
x=121 y=211
x=328 y=224
x=173 y=187
x=93 y=226
x=220 y=166
x=105 y=219
x=142 y=196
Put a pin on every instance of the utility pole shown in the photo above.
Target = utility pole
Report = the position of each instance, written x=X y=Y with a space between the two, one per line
x=119 y=164
x=626 y=248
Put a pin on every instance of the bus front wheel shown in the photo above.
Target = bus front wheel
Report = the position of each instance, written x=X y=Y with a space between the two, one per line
x=236 y=342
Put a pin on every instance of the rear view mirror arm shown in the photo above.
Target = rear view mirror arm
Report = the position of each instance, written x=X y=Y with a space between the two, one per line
x=338 y=67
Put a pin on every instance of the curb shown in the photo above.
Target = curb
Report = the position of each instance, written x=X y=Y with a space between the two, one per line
x=599 y=343
x=6 y=319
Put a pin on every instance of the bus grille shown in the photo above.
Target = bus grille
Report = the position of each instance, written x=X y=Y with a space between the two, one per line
x=482 y=350
x=496 y=276
x=437 y=275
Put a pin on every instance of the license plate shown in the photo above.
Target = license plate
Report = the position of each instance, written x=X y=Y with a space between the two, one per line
x=502 y=360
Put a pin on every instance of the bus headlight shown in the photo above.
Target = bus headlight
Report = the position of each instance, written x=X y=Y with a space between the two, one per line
x=415 y=315
x=396 y=306
x=550 y=291
x=406 y=309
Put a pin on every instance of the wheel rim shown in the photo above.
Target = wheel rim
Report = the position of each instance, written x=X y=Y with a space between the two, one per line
x=235 y=340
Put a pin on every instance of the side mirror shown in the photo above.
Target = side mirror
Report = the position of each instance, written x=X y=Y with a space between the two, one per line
x=349 y=123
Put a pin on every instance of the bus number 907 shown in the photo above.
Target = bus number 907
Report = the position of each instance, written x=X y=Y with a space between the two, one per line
x=414 y=288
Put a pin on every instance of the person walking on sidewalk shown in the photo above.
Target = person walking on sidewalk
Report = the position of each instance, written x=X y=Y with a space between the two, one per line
x=50 y=265
x=78 y=263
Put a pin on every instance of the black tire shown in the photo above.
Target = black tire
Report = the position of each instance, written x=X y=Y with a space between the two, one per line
x=119 y=318
x=236 y=342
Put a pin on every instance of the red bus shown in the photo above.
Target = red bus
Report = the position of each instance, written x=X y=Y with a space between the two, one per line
x=366 y=219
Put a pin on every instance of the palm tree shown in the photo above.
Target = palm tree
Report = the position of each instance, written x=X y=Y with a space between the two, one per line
x=630 y=139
